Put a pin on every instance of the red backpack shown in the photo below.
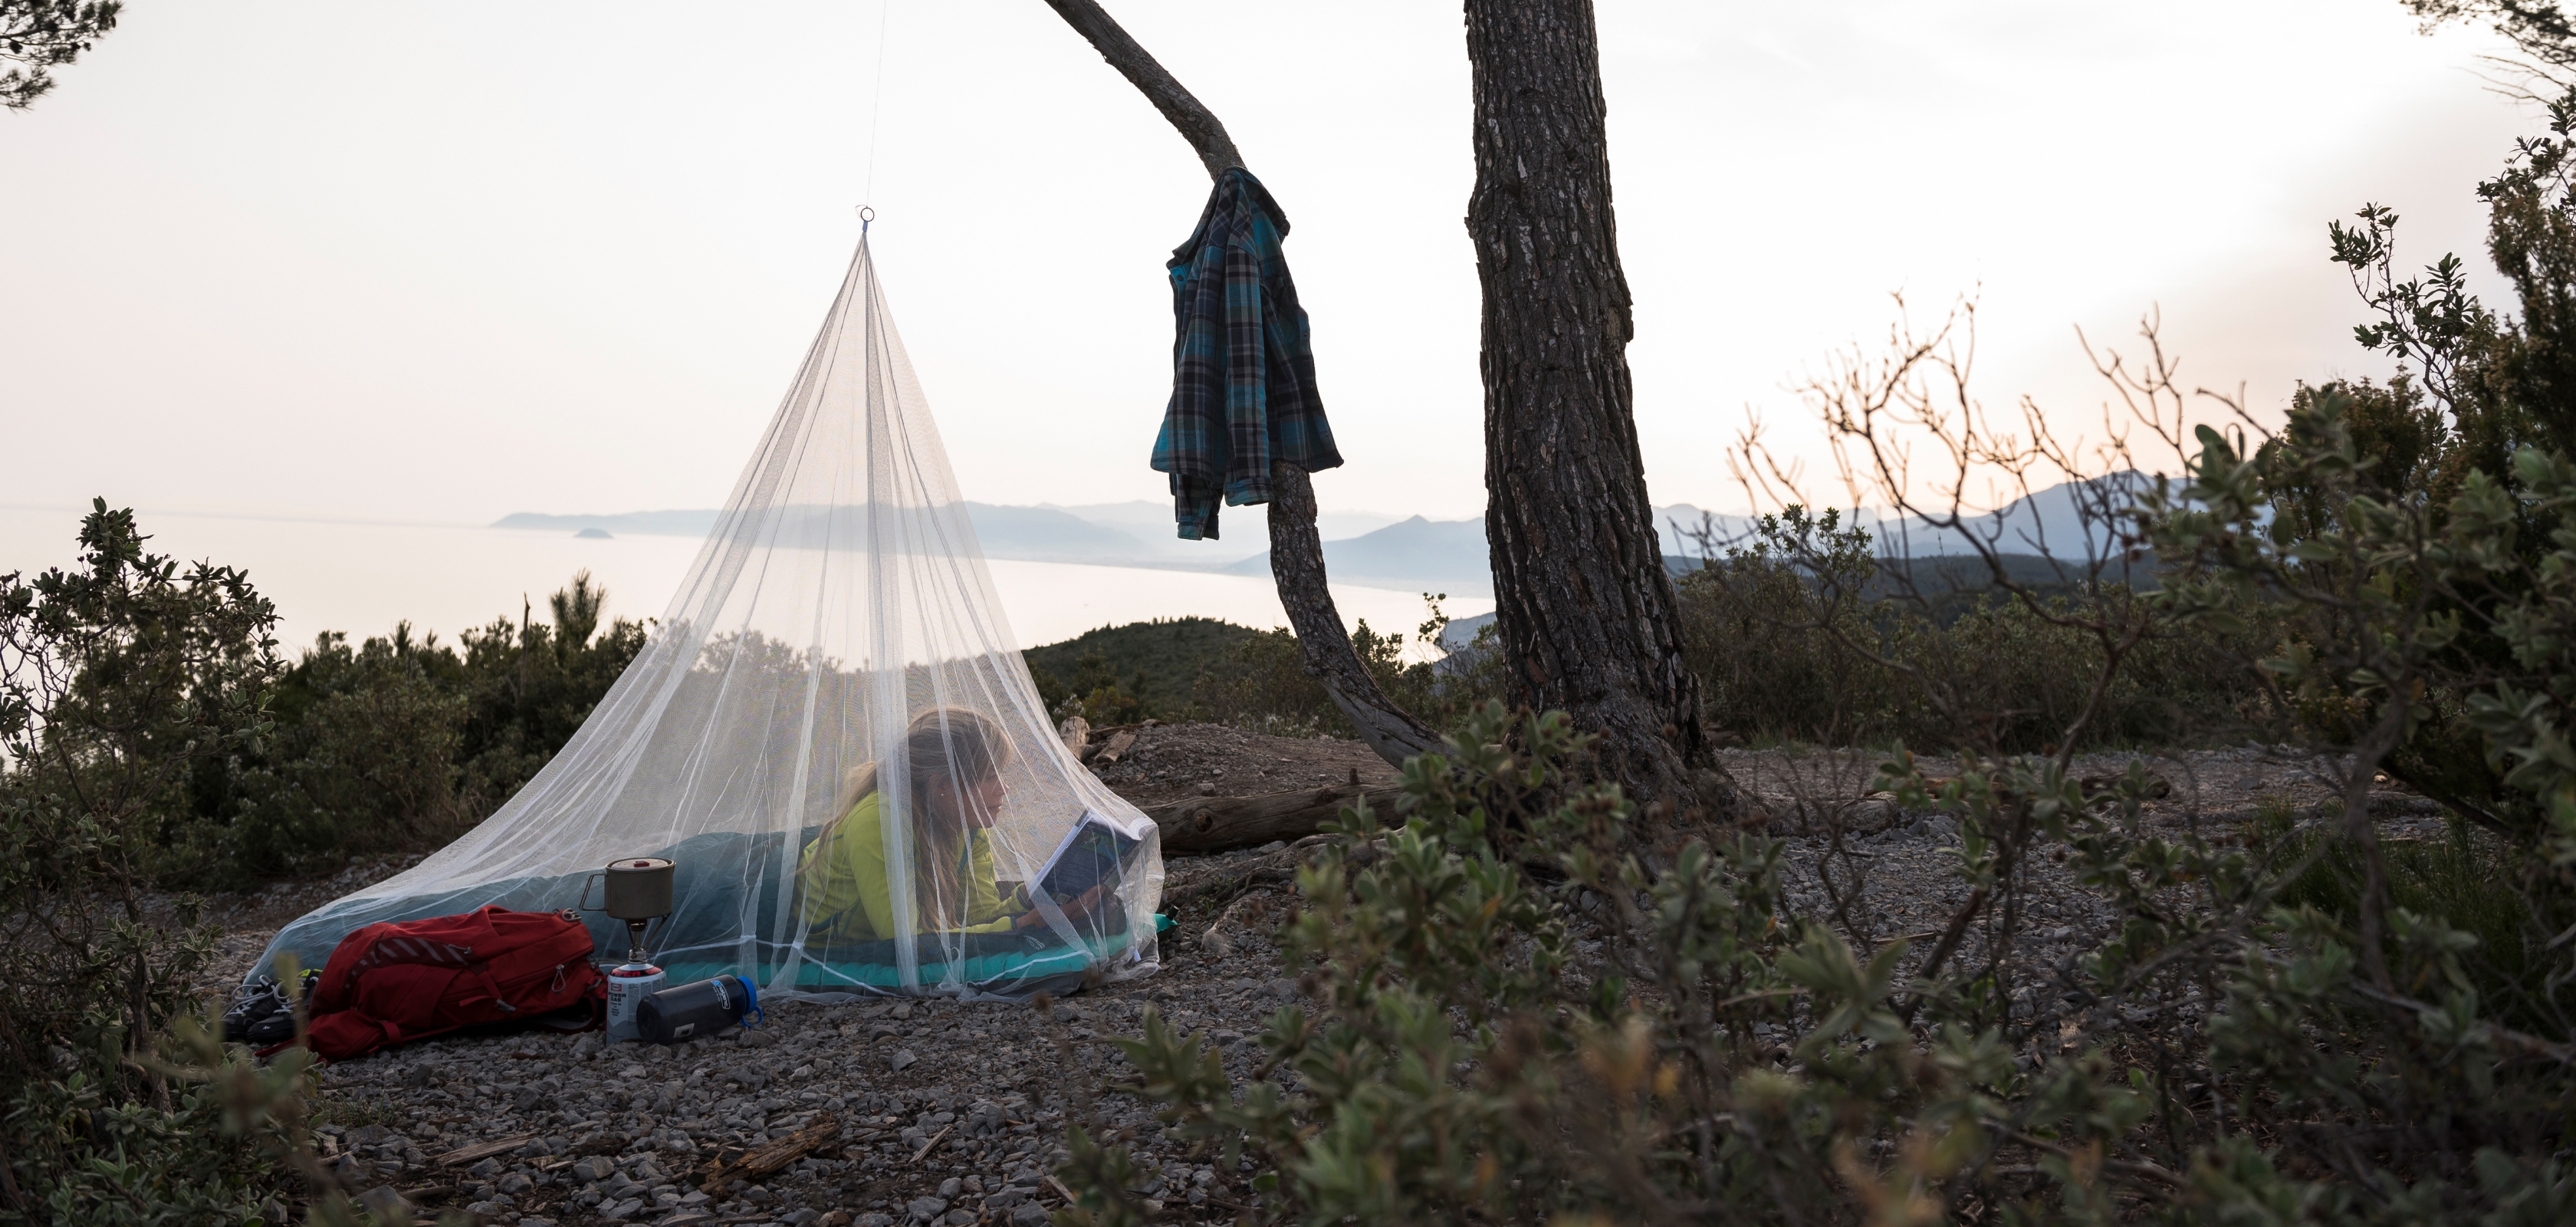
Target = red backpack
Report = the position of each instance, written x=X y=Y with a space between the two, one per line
x=399 y=981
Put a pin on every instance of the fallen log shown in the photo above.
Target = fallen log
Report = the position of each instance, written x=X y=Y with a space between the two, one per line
x=1219 y=824
x=775 y=1156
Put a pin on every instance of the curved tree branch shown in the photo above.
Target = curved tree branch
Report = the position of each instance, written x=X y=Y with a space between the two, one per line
x=1296 y=552
x=1297 y=564
x=1198 y=126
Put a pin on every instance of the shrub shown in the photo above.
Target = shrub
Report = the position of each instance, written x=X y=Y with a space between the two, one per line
x=529 y=685
x=121 y=680
x=364 y=758
x=1262 y=684
x=399 y=743
x=1097 y=695
x=1518 y=1012
x=1463 y=1061
x=1153 y=663
x=2468 y=879
x=1797 y=633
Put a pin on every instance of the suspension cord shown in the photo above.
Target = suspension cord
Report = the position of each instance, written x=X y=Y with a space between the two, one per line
x=875 y=105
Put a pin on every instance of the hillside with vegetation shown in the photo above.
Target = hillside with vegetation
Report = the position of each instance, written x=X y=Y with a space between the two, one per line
x=1119 y=674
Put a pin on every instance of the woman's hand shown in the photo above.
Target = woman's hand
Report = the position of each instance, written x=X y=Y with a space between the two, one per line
x=1081 y=905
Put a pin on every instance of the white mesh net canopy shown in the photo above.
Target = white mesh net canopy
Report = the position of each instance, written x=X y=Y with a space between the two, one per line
x=833 y=735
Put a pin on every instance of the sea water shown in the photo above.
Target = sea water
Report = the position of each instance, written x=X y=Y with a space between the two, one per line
x=362 y=578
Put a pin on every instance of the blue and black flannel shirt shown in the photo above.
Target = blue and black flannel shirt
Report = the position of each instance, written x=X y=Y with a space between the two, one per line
x=1243 y=372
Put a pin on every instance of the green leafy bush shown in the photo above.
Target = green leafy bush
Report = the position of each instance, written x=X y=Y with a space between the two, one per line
x=1711 y=1058
x=363 y=759
x=1099 y=696
x=1153 y=664
x=134 y=698
x=1262 y=684
x=528 y=685
x=1797 y=634
x=398 y=743
x=1520 y=1012
x=2467 y=879
x=120 y=681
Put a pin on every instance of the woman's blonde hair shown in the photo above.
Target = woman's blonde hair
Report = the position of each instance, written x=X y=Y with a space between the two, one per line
x=961 y=746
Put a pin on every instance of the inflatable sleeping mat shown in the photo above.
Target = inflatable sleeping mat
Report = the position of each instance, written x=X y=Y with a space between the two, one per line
x=725 y=893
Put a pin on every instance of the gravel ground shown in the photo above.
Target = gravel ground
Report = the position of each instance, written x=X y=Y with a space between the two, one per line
x=945 y=1112
x=941 y=1112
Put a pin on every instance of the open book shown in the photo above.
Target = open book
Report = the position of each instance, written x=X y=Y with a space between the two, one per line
x=1091 y=854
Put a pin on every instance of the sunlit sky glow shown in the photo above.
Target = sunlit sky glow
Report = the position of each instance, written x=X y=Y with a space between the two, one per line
x=440 y=262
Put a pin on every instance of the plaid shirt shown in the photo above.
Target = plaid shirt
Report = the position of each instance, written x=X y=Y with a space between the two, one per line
x=1243 y=374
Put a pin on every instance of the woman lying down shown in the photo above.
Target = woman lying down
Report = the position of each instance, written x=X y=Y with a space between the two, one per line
x=953 y=758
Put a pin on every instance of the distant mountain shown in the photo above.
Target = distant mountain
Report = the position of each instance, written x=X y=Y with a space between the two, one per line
x=625 y=524
x=2048 y=523
x=1369 y=548
x=1049 y=535
x=1142 y=519
x=1421 y=554
x=2045 y=522
x=1447 y=555
x=1462 y=632
x=1674 y=526
x=1005 y=532
x=1242 y=529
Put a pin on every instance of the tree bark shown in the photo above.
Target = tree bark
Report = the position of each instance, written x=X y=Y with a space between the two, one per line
x=1296 y=552
x=1585 y=608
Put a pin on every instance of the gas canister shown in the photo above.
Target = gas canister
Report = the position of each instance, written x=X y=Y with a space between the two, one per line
x=628 y=985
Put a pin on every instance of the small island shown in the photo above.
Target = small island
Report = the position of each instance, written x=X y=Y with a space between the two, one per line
x=594 y=534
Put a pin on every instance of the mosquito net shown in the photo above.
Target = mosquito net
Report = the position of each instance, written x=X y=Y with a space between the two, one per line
x=832 y=734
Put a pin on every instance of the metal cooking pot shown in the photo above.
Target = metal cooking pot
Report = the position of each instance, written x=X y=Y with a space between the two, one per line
x=639 y=888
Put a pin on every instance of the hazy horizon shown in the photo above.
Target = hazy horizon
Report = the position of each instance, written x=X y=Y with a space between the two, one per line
x=370 y=262
x=362 y=578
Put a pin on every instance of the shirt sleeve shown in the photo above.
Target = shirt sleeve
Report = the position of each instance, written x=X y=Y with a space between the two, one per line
x=986 y=910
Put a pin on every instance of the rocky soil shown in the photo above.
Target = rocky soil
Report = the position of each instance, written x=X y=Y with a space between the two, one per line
x=938 y=1112
x=935 y=1111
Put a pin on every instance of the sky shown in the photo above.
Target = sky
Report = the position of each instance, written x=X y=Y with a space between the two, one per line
x=435 y=263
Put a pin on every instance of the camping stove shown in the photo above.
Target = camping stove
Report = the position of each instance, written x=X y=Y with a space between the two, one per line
x=639 y=893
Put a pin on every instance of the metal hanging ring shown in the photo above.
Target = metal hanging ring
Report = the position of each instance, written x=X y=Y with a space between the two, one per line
x=867 y=214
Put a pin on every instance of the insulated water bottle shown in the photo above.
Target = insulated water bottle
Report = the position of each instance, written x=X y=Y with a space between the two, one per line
x=628 y=985
x=703 y=1008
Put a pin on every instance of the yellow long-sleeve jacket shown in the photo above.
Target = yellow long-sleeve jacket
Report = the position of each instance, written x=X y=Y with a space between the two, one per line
x=846 y=895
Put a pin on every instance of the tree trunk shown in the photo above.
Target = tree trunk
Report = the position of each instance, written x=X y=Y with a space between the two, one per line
x=1586 y=611
x=1296 y=553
